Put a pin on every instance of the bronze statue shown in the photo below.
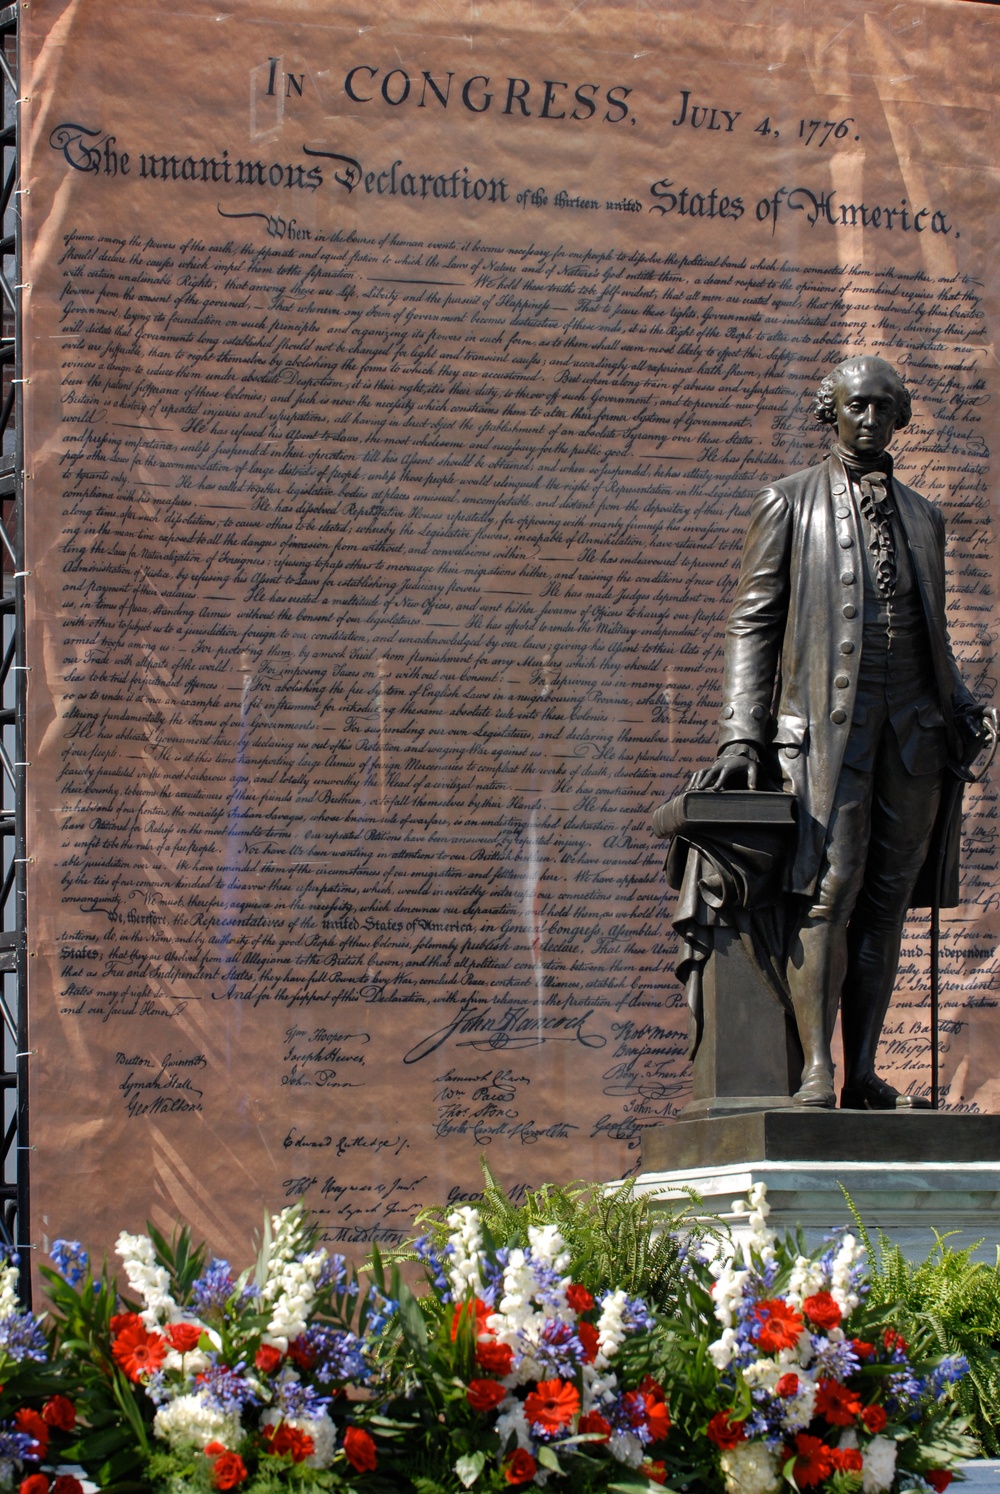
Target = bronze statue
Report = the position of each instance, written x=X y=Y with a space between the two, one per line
x=840 y=685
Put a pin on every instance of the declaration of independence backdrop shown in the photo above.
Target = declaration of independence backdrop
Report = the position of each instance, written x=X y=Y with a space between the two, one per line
x=399 y=375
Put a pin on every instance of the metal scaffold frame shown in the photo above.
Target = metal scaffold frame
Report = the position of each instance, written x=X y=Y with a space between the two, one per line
x=14 y=1144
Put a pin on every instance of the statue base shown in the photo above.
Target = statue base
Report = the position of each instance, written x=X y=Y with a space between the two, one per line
x=909 y=1174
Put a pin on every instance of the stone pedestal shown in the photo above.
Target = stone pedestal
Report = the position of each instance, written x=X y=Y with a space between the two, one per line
x=907 y=1174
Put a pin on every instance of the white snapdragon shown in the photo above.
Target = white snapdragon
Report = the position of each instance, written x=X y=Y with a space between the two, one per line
x=848 y=1257
x=749 y=1468
x=878 y=1465
x=191 y=1363
x=150 y=1280
x=9 y=1277
x=807 y=1278
x=189 y=1420
x=466 y=1242
x=760 y=1237
x=729 y=1283
x=548 y=1247
x=611 y=1327
x=723 y=1348
x=295 y=1293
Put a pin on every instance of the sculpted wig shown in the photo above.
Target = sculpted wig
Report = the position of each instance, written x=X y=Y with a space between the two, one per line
x=824 y=406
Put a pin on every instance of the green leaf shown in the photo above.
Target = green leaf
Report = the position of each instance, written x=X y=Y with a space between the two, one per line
x=548 y=1459
x=469 y=1468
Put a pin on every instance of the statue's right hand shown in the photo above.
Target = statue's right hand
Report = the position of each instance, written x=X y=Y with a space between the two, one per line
x=736 y=767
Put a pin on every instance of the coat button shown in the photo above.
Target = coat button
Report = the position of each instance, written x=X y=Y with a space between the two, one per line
x=850 y=611
x=842 y=681
x=727 y=713
x=757 y=713
x=843 y=513
x=847 y=647
x=848 y=578
x=838 y=717
x=839 y=487
x=846 y=542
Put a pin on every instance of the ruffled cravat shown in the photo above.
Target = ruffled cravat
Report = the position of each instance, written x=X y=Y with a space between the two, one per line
x=872 y=479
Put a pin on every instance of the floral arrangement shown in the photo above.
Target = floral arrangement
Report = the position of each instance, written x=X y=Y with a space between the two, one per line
x=520 y=1364
x=196 y=1380
x=508 y=1373
x=784 y=1379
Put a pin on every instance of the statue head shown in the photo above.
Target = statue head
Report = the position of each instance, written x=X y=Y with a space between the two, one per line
x=867 y=401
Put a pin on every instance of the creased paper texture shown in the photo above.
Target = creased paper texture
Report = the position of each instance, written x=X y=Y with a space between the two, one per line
x=399 y=382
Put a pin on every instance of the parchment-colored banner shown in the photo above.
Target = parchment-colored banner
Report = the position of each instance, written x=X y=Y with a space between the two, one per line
x=398 y=384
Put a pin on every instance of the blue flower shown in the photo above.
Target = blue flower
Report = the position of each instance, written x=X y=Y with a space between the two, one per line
x=212 y=1291
x=434 y=1266
x=292 y=1398
x=228 y=1390
x=70 y=1260
x=21 y=1337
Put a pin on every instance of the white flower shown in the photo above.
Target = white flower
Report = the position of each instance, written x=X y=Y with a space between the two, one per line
x=807 y=1278
x=728 y=1294
x=512 y=1422
x=190 y=1420
x=878 y=1465
x=290 y=1278
x=626 y=1448
x=9 y=1276
x=849 y=1256
x=748 y=1468
x=150 y=1280
x=466 y=1241
x=722 y=1350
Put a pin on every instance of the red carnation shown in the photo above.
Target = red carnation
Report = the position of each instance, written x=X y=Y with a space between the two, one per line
x=589 y=1340
x=183 y=1336
x=552 y=1405
x=862 y=1350
x=228 y=1470
x=578 y=1298
x=780 y=1325
x=302 y=1354
x=723 y=1432
x=519 y=1466
x=788 y=1385
x=29 y=1421
x=59 y=1412
x=874 y=1418
x=846 y=1459
x=267 y=1359
x=595 y=1424
x=484 y=1395
x=655 y=1472
x=360 y=1450
x=495 y=1358
x=823 y=1311
x=894 y=1340
x=138 y=1352
x=813 y=1463
x=838 y=1404
x=291 y=1442
x=938 y=1478
x=35 y=1483
x=66 y=1484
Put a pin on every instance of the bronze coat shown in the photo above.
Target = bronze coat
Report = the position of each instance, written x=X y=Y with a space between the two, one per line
x=791 y=634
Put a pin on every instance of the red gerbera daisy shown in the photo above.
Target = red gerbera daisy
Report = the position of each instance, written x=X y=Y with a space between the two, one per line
x=838 y=1404
x=137 y=1352
x=780 y=1325
x=552 y=1405
x=813 y=1463
x=29 y=1421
